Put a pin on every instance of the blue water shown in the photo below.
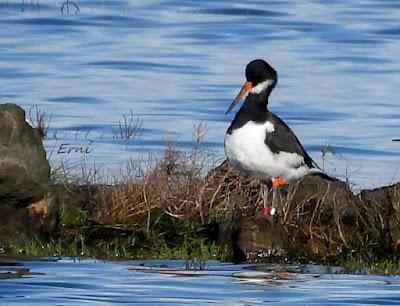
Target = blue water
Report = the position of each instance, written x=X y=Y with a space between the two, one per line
x=179 y=63
x=93 y=282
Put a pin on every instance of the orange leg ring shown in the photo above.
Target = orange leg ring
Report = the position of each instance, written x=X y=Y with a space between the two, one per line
x=278 y=181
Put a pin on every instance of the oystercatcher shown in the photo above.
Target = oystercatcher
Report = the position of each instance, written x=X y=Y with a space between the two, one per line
x=258 y=142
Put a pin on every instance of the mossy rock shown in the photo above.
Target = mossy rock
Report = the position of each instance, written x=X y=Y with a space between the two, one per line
x=24 y=169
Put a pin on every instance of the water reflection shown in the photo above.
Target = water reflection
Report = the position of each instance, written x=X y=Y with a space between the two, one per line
x=75 y=282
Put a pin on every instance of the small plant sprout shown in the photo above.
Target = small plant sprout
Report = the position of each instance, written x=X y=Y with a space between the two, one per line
x=66 y=4
x=39 y=119
x=129 y=128
x=325 y=149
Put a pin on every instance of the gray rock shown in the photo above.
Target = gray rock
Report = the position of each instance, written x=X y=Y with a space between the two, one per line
x=258 y=238
x=15 y=226
x=24 y=169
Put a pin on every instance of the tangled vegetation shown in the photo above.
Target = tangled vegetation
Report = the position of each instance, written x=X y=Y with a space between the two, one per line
x=171 y=208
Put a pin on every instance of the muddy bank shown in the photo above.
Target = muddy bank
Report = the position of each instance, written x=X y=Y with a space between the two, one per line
x=316 y=219
x=175 y=211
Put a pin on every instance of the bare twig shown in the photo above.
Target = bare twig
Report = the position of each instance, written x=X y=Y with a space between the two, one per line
x=39 y=120
x=66 y=4
x=129 y=128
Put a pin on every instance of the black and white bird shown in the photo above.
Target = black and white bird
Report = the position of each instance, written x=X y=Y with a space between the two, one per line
x=258 y=142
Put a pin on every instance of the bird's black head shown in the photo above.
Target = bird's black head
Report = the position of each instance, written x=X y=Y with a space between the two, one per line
x=258 y=71
x=261 y=79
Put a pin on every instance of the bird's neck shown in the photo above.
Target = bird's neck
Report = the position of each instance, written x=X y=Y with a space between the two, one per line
x=254 y=109
x=257 y=102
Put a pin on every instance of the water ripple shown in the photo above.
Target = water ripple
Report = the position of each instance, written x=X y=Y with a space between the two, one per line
x=148 y=66
x=241 y=12
x=78 y=99
x=42 y=21
x=68 y=282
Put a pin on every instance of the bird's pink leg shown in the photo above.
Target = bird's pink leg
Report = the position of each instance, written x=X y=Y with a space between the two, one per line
x=276 y=182
x=264 y=189
x=266 y=186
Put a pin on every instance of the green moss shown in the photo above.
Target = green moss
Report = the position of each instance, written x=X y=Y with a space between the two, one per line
x=73 y=218
x=168 y=239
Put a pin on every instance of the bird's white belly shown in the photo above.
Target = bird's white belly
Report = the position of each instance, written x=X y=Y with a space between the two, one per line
x=247 y=151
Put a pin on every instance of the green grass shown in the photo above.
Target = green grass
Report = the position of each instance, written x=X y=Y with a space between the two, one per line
x=386 y=266
x=170 y=239
x=118 y=249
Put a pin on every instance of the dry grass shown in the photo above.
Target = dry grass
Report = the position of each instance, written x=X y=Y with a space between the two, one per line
x=175 y=186
x=315 y=216
x=131 y=127
x=169 y=185
x=40 y=120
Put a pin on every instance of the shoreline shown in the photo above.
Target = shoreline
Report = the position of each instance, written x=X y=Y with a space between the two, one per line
x=173 y=210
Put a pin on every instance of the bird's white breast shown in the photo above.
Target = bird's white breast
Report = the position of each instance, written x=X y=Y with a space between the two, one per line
x=247 y=151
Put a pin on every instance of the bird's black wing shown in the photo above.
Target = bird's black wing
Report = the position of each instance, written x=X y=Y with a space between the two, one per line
x=283 y=139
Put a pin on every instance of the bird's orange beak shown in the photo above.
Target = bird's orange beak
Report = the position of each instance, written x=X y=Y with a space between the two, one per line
x=246 y=87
